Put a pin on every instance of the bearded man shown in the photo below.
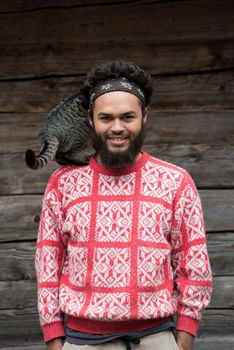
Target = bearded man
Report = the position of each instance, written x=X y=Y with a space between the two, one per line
x=121 y=246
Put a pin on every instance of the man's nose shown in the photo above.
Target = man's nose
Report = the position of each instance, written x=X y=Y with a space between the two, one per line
x=117 y=125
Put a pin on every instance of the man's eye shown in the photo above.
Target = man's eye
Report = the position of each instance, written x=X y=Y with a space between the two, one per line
x=128 y=117
x=104 y=118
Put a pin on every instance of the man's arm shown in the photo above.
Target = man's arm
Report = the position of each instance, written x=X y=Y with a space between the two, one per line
x=50 y=253
x=184 y=340
x=190 y=261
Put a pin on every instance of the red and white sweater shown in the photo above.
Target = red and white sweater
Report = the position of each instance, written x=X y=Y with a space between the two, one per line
x=121 y=250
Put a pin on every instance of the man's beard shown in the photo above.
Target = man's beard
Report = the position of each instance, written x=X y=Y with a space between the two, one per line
x=119 y=159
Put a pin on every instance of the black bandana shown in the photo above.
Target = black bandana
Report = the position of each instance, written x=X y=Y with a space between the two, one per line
x=120 y=84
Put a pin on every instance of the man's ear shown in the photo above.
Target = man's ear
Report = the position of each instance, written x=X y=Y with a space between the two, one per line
x=145 y=115
x=90 y=117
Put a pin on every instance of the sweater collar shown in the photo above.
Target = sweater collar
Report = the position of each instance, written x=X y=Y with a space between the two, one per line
x=122 y=171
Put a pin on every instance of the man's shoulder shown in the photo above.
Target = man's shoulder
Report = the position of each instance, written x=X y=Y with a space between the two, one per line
x=68 y=172
x=165 y=166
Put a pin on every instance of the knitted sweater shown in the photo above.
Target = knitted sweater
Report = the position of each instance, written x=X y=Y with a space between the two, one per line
x=126 y=247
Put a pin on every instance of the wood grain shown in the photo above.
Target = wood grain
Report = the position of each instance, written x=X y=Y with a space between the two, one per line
x=170 y=136
x=174 y=22
x=19 y=131
x=20 y=214
x=17 y=262
x=20 y=217
x=17 y=178
x=24 y=324
x=199 y=92
x=11 y=299
x=58 y=59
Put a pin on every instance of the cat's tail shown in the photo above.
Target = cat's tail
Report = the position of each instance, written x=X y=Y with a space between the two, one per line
x=46 y=155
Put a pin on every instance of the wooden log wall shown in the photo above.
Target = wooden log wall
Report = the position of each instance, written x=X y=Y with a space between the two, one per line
x=46 y=49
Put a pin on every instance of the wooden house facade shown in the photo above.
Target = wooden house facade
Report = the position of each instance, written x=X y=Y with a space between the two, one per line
x=46 y=48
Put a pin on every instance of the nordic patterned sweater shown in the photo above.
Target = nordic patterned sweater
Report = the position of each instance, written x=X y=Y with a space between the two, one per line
x=120 y=250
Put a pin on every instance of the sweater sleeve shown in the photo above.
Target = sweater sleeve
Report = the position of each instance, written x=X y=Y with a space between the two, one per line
x=190 y=261
x=50 y=254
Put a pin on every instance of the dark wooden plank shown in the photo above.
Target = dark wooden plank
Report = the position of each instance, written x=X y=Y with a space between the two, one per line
x=17 y=261
x=211 y=91
x=19 y=131
x=18 y=295
x=169 y=136
x=24 y=325
x=176 y=21
x=214 y=343
x=37 y=60
x=218 y=206
x=213 y=159
x=216 y=323
x=17 y=178
x=194 y=92
x=20 y=214
x=221 y=252
x=25 y=5
x=222 y=297
x=189 y=127
x=20 y=217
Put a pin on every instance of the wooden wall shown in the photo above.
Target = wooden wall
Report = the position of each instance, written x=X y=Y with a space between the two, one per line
x=46 y=48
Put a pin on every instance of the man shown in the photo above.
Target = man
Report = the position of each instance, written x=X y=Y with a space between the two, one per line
x=121 y=245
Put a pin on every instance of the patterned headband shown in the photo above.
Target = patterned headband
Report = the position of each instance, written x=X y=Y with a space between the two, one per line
x=120 y=84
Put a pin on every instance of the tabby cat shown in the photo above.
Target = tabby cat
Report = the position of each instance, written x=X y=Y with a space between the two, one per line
x=65 y=136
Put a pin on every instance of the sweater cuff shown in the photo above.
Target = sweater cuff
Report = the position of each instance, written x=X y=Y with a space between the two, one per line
x=187 y=324
x=53 y=330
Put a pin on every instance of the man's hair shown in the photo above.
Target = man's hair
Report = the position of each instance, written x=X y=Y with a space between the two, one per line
x=116 y=69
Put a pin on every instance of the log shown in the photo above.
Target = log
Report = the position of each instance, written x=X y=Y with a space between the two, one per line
x=17 y=178
x=23 y=323
x=25 y=327
x=18 y=295
x=169 y=136
x=19 y=131
x=176 y=22
x=17 y=260
x=20 y=214
x=17 y=264
x=11 y=299
x=220 y=248
x=192 y=92
x=20 y=217
x=218 y=206
x=213 y=343
x=59 y=59
x=23 y=6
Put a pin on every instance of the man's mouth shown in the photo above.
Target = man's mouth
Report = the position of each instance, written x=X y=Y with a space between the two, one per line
x=117 y=140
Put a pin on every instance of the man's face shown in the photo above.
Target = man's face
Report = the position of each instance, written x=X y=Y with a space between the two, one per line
x=118 y=123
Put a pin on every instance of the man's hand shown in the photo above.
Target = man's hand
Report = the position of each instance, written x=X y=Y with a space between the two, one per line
x=184 y=340
x=55 y=344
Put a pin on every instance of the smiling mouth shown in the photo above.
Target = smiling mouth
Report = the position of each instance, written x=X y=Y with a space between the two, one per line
x=117 y=138
x=118 y=141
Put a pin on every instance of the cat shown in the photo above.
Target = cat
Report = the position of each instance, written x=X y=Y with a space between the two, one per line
x=65 y=136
